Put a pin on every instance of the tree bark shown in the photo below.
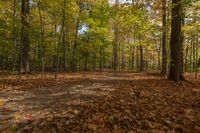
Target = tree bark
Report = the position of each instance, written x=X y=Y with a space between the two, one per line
x=24 y=67
x=115 y=43
x=141 y=58
x=186 y=58
x=59 y=41
x=175 y=41
x=64 y=50
x=164 y=37
x=133 y=58
x=14 y=37
x=197 y=61
x=137 y=58
x=181 y=70
x=123 y=57
x=42 y=38
x=74 y=58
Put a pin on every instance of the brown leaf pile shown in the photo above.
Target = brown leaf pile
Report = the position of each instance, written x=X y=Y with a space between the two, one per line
x=99 y=102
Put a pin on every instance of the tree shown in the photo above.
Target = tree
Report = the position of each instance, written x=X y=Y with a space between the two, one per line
x=175 y=41
x=77 y=35
x=116 y=37
x=141 y=58
x=14 y=36
x=164 y=37
x=59 y=41
x=24 y=68
x=42 y=37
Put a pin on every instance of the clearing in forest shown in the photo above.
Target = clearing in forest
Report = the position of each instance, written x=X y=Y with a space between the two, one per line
x=99 y=102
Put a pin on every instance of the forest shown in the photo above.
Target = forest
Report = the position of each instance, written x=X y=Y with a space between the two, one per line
x=102 y=66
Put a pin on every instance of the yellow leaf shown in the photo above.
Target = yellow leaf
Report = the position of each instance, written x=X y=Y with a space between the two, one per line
x=1 y=102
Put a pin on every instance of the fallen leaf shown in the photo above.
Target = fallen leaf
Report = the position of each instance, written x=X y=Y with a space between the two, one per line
x=92 y=126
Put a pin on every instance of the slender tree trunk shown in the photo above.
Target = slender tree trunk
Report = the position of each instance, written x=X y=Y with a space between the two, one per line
x=14 y=37
x=175 y=41
x=164 y=37
x=35 y=52
x=115 y=44
x=24 y=67
x=64 y=50
x=42 y=38
x=181 y=69
x=186 y=58
x=191 y=44
x=86 y=55
x=100 y=60
x=197 y=49
x=147 y=59
x=154 y=62
x=133 y=58
x=54 y=38
x=141 y=58
x=59 y=41
x=193 y=54
x=94 y=62
x=159 y=55
x=123 y=57
x=115 y=60
x=137 y=58
x=74 y=58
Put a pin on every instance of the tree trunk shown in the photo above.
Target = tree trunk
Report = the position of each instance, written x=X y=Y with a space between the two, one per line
x=100 y=60
x=24 y=67
x=64 y=50
x=181 y=77
x=191 y=44
x=74 y=58
x=123 y=57
x=14 y=37
x=197 y=62
x=193 y=54
x=86 y=55
x=133 y=58
x=175 y=41
x=186 y=58
x=42 y=38
x=137 y=58
x=94 y=62
x=141 y=58
x=115 y=44
x=59 y=41
x=164 y=48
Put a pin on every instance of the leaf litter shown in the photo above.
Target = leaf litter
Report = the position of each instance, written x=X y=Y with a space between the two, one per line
x=99 y=102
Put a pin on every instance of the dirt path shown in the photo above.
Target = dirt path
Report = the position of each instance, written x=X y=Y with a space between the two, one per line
x=99 y=102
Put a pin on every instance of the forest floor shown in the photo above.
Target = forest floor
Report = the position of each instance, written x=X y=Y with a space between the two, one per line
x=99 y=102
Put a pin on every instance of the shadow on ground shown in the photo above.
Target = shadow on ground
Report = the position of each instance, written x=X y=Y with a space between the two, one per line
x=122 y=102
